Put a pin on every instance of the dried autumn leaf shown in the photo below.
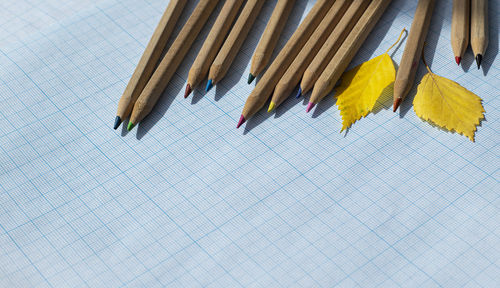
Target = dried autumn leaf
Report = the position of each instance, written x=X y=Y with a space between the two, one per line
x=362 y=86
x=446 y=104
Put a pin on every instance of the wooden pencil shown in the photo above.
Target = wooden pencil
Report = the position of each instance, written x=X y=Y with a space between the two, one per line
x=233 y=43
x=162 y=75
x=270 y=78
x=347 y=51
x=149 y=60
x=408 y=67
x=214 y=41
x=293 y=74
x=270 y=38
x=332 y=44
x=479 y=29
x=460 y=28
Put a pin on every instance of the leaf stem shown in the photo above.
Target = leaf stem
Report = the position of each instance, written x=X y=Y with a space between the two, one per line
x=397 y=41
x=423 y=59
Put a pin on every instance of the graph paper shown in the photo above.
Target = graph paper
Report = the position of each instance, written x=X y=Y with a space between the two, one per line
x=19 y=19
x=187 y=200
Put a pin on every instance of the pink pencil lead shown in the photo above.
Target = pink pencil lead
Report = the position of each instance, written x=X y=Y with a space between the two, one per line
x=242 y=120
x=310 y=106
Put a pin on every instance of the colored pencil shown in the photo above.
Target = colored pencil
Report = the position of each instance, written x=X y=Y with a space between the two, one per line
x=479 y=29
x=331 y=46
x=460 y=20
x=270 y=78
x=407 y=71
x=214 y=41
x=270 y=38
x=347 y=51
x=161 y=77
x=233 y=43
x=293 y=74
x=149 y=59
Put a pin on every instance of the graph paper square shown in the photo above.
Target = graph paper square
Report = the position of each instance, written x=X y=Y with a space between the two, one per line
x=187 y=200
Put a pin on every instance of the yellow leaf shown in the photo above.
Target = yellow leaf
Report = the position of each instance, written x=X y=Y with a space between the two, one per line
x=362 y=86
x=446 y=104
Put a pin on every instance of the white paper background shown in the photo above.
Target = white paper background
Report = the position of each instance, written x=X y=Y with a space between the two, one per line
x=186 y=200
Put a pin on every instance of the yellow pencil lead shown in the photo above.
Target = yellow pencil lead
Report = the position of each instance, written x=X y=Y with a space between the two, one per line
x=271 y=107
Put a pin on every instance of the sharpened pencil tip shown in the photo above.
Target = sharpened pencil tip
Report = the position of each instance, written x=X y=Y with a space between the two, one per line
x=310 y=106
x=272 y=105
x=250 y=78
x=299 y=94
x=242 y=120
x=118 y=121
x=130 y=126
x=458 y=59
x=396 y=104
x=209 y=85
x=188 y=91
x=479 y=58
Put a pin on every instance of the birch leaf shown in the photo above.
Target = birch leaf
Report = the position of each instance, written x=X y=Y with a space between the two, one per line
x=448 y=105
x=362 y=86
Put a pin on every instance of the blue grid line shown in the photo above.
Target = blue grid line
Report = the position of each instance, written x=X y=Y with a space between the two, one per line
x=175 y=159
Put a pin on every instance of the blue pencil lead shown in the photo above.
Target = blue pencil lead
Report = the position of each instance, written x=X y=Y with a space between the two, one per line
x=299 y=93
x=209 y=85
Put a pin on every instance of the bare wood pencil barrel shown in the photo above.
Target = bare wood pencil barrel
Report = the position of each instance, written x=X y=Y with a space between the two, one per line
x=265 y=87
x=405 y=77
x=149 y=59
x=270 y=38
x=161 y=77
x=293 y=74
x=212 y=44
x=479 y=37
x=347 y=51
x=332 y=44
x=233 y=43
x=460 y=27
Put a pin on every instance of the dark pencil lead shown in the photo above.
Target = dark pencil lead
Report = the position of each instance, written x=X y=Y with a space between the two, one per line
x=479 y=58
x=250 y=78
x=118 y=121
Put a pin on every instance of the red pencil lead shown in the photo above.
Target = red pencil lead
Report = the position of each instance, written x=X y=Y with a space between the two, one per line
x=396 y=104
x=188 y=91
x=458 y=59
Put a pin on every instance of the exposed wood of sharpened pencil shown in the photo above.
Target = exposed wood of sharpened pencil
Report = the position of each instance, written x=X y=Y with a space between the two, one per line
x=270 y=37
x=479 y=29
x=273 y=74
x=214 y=41
x=405 y=77
x=293 y=74
x=233 y=43
x=332 y=44
x=149 y=59
x=347 y=50
x=460 y=28
x=163 y=74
